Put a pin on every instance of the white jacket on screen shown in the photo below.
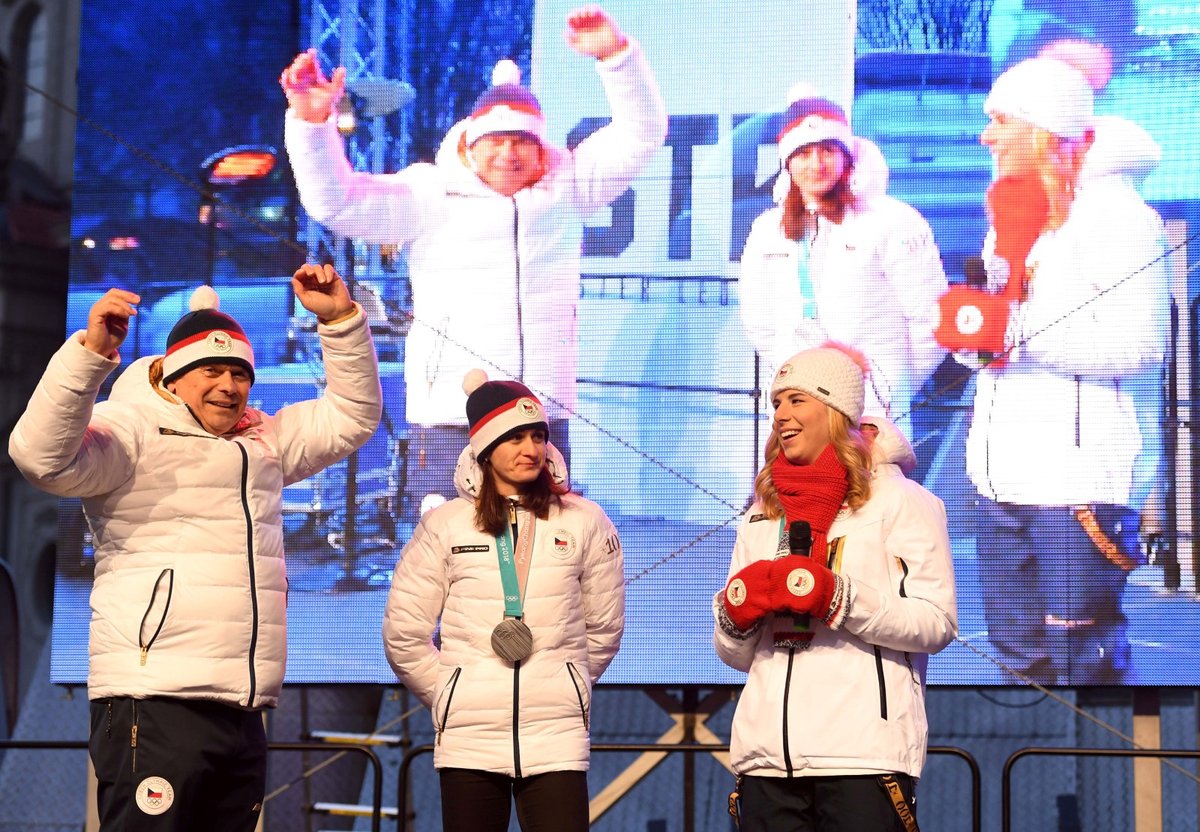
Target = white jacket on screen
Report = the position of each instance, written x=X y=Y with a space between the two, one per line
x=1060 y=425
x=495 y=279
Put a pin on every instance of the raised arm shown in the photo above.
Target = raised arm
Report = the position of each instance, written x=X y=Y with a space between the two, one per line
x=607 y=161
x=57 y=444
x=379 y=208
x=318 y=432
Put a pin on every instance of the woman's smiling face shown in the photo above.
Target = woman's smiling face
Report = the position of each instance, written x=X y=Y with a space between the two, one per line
x=802 y=423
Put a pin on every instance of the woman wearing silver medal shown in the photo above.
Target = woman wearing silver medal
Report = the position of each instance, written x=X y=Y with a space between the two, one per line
x=527 y=581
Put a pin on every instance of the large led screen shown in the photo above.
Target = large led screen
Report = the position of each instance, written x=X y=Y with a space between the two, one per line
x=182 y=178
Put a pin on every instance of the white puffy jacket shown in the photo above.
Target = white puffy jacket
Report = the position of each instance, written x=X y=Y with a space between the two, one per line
x=495 y=279
x=1059 y=423
x=489 y=715
x=190 y=593
x=876 y=277
x=854 y=701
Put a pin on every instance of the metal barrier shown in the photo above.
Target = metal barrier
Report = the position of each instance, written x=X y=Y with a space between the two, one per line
x=1006 y=778
x=372 y=757
x=402 y=810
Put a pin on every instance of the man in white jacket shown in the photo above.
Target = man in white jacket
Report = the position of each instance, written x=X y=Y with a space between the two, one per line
x=493 y=230
x=182 y=488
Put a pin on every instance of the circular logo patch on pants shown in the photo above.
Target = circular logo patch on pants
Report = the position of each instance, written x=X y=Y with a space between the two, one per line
x=154 y=795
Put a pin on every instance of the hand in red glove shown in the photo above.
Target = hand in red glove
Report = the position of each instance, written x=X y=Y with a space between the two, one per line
x=748 y=595
x=972 y=319
x=805 y=587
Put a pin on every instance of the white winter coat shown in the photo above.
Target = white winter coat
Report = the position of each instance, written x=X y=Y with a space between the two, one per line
x=490 y=715
x=876 y=277
x=495 y=279
x=854 y=701
x=190 y=593
x=1058 y=424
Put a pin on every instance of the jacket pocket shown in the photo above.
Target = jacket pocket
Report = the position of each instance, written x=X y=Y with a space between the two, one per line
x=441 y=708
x=150 y=618
x=582 y=692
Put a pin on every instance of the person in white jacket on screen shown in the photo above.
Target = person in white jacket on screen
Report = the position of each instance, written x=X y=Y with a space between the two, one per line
x=182 y=488
x=493 y=230
x=839 y=259
x=1063 y=445
x=526 y=582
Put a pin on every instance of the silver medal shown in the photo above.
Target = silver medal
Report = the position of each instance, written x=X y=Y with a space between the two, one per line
x=512 y=640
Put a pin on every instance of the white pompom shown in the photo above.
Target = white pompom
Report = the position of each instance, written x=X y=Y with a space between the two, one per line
x=204 y=298
x=472 y=380
x=506 y=72
x=800 y=90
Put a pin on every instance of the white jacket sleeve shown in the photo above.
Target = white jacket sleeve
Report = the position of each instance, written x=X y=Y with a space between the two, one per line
x=1100 y=308
x=602 y=587
x=59 y=444
x=755 y=293
x=607 y=161
x=316 y=433
x=920 y=615
x=378 y=208
x=414 y=606
x=913 y=266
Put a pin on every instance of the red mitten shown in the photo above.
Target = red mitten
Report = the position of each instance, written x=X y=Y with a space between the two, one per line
x=805 y=587
x=748 y=595
x=972 y=319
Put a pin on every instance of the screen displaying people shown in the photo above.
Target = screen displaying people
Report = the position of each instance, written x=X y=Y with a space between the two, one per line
x=640 y=216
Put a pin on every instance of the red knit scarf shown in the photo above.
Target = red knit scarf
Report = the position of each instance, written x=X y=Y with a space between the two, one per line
x=813 y=492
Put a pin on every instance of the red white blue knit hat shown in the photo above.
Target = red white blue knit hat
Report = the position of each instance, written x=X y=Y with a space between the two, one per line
x=206 y=336
x=811 y=119
x=506 y=107
x=497 y=409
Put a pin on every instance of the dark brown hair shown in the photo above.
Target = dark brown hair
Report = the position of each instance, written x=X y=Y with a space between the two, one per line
x=491 y=507
x=798 y=222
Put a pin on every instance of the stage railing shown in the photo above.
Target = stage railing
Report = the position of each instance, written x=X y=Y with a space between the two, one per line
x=1006 y=777
x=376 y=811
x=402 y=808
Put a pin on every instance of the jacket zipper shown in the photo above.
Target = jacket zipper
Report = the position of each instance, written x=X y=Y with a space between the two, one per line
x=883 y=709
x=576 y=680
x=517 y=264
x=250 y=568
x=904 y=594
x=516 y=718
x=450 y=684
x=145 y=647
x=787 y=692
x=133 y=729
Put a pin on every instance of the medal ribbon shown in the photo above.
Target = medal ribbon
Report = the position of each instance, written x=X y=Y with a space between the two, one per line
x=515 y=576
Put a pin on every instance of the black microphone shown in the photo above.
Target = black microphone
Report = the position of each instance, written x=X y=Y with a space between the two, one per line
x=800 y=538
x=975 y=272
x=800 y=542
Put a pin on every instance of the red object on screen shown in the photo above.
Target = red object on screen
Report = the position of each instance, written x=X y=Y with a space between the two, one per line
x=972 y=320
x=1018 y=208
